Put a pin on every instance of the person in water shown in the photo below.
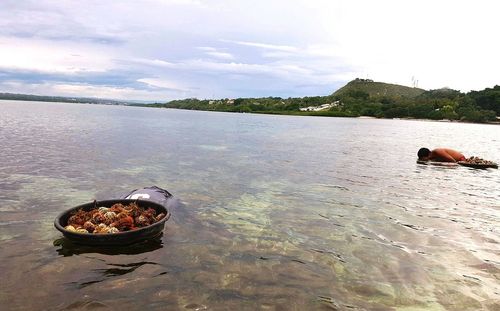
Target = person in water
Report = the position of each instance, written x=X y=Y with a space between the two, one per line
x=440 y=155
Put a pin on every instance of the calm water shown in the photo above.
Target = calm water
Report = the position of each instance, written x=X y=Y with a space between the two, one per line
x=275 y=213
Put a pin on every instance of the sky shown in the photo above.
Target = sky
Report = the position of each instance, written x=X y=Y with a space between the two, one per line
x=159 y=50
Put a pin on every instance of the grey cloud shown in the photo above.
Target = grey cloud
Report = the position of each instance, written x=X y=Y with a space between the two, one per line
x=32 y=19
x=116 y=78
x=177 y=41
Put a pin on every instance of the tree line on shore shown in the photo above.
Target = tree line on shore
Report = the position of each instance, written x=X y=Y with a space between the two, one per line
x=439 y=104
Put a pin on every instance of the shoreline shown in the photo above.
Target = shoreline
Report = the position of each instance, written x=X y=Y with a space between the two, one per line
x=285 y=113
x=313 y=114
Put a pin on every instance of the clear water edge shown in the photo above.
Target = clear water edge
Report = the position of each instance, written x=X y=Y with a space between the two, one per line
x=278 y=212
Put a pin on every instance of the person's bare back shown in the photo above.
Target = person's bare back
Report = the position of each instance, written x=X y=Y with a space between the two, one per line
x=440 y=155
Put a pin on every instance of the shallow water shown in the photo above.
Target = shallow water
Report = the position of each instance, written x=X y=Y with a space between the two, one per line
x=276 y=212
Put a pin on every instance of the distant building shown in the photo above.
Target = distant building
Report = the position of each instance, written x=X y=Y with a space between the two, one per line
x=362 y=80
x=322 y=107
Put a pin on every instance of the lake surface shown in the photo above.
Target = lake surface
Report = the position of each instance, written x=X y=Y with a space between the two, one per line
x=275 y=213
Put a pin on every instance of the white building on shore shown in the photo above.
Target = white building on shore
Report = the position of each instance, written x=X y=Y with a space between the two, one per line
x=322 y=107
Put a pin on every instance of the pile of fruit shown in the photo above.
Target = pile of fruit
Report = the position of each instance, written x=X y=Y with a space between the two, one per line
x=477 y=160
x=117 y=218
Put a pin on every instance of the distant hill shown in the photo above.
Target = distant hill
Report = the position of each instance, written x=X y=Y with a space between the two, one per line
x=362 y=97
x=82 y=100
x=377 y=89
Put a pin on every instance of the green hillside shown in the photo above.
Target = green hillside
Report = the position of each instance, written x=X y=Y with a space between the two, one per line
x=362 y=97
x=377 y=89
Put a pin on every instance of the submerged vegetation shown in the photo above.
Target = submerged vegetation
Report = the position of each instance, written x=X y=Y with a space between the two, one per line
x=362 y=97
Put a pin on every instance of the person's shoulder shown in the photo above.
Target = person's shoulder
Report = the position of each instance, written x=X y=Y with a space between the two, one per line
x=438 y=154
x=452 y=151
x=439 y=150
x=444 y=150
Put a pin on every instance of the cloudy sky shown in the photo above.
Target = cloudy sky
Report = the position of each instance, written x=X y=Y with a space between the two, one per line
x=159 y=50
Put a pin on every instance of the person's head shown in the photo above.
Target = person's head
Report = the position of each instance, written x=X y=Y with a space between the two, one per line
x=423 y=154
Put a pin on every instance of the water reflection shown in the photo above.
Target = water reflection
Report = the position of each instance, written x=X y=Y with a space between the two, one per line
x=112 y=270
x=68 y=248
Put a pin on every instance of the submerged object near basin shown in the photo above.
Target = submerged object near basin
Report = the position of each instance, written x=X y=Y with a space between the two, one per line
x=119 y=238
x=446 y=164
x=478 y=165
x=460 y=163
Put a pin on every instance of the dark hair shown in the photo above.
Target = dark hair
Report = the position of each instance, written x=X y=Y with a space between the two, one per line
x=423 y=152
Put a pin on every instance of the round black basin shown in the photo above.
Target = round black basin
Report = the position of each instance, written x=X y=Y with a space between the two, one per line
x=121 y=238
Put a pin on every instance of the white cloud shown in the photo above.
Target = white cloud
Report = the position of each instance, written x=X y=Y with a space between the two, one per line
x=282 y=70
x=213 y=52
x=162 y=83
x=152 y=62
x=197 y=3
x=45 y=56
x=267 y=46
x=221 y=55
x=207 y=48
x=441 y=43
